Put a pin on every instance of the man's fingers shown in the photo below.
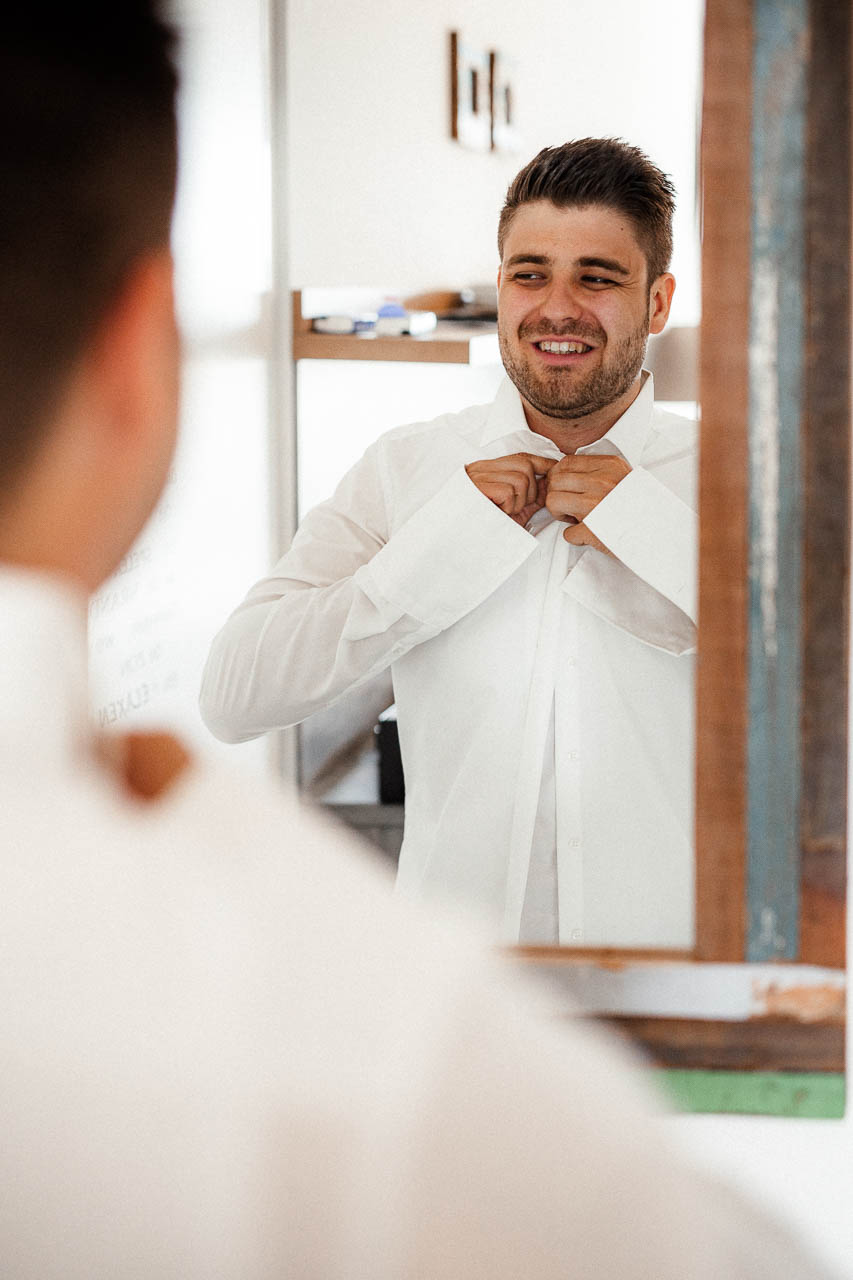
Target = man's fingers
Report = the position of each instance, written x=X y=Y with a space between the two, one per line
x=527 y=467
x=532 y=485
x=512 y=482
x=540 y=465
x=593 y=462
x=510 y=494
x=580 y=482
x=501 y=492
x=570 y=482
x=565 y=504
x=570 y=487
x=579 y=536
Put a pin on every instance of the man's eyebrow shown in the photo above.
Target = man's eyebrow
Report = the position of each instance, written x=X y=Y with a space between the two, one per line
x=538 y=259
x=607 y=264
x=543 y=260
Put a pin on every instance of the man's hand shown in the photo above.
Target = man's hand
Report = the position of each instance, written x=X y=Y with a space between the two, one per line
x=517 y=483
x=576 y=485
x=147 y=764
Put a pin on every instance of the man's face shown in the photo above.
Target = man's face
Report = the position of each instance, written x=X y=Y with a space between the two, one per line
x=575 y=308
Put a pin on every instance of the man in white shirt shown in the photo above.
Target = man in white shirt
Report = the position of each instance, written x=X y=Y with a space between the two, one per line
x=527 y=569
x=227 y=1054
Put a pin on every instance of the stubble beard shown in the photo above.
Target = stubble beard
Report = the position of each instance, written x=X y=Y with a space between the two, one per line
x=567 y=393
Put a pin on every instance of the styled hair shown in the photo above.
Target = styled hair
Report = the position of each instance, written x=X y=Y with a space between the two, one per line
x=605 y=171
x=88 y=160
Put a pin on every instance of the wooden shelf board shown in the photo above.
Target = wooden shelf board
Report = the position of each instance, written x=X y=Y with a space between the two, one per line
x=448 y=343
x=757 y=1044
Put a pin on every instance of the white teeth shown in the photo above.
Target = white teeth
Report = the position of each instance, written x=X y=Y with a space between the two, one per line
x=563 y=348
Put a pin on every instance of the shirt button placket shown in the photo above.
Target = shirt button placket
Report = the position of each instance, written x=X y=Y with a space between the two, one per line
x=568 y=773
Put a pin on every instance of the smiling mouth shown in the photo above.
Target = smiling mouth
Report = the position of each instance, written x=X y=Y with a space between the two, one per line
x=562 y=347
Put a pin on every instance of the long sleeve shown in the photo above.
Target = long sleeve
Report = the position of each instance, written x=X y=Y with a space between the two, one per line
x=648 y=586
x=655 y=533
x=352 y=595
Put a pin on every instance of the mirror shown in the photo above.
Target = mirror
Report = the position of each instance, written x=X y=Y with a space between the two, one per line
x=344 y=404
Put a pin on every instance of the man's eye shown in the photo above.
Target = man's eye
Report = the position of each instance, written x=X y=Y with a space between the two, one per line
x=598 y=281
x=524 y=277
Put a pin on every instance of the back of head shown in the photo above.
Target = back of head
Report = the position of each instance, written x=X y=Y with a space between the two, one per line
x=87 y=175
x=600 y=171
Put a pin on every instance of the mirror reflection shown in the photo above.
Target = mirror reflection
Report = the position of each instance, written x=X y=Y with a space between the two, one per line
x=511 y=577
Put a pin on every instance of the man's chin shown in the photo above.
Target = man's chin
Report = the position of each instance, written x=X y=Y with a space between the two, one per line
x=560 y=408
x=565 y=404
x=564 y=413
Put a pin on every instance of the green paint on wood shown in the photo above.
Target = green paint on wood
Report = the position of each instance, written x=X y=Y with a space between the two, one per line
x=814 y=1094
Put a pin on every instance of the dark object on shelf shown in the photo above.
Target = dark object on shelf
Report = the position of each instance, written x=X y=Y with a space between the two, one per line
x=344 y=324
x=471 y=314
x=391 y=785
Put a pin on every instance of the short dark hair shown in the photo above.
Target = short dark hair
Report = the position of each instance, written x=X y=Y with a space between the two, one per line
x=88 y=159
x=605 y=171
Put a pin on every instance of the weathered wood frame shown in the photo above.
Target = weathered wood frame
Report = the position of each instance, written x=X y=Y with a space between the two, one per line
x=765 y=223
x=775 y=375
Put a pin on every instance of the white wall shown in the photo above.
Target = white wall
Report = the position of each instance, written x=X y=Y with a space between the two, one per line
x=380 y=192
x=801 y=1169
x=151 y=624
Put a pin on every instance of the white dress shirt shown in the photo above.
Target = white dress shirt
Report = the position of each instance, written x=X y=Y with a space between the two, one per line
x=500 y=640
x=228 y=1054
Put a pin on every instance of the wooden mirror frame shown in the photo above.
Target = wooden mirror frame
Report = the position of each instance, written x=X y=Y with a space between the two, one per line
x=771 y=808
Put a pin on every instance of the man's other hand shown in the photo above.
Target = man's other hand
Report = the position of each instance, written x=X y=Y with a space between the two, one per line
x=517 y=483
x=576 y=485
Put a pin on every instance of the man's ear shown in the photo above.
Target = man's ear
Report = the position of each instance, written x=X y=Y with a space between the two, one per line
x=102 y=467
x=660 y=301
x=500 y=273
x=135 y=354
x=134 y=382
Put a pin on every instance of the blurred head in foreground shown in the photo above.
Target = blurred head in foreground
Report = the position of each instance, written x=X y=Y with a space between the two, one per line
x=88 y=341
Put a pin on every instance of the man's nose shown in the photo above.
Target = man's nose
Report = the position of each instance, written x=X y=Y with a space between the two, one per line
x=563 y=300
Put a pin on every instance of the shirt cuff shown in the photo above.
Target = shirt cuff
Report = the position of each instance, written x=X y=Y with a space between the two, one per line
x=448 y=557
x=608 y=588
x=654 y=533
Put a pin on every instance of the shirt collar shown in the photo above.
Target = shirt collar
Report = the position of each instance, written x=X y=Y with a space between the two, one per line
x=43 y=673
x=627 y=436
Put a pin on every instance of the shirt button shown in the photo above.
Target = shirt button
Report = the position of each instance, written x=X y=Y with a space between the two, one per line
x=574 y=844
x=577 y=935
x=574 y=755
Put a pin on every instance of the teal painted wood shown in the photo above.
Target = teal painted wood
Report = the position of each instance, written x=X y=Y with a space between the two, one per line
x=777 y=300
x=815 y=1095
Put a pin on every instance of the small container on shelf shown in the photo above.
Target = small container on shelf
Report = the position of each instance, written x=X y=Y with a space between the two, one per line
x=392 y=788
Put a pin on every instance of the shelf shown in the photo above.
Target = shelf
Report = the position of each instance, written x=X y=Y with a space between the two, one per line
x=448 y=343
x=380 y=824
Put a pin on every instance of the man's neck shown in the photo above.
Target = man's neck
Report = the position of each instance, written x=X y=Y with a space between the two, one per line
x=571 y=434
x=41 y=532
